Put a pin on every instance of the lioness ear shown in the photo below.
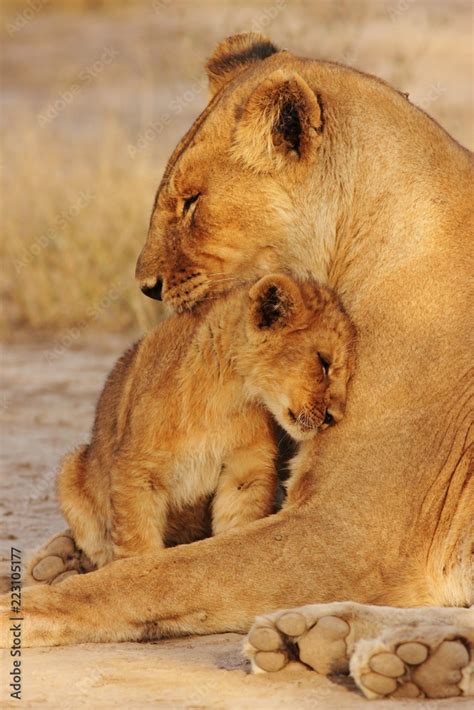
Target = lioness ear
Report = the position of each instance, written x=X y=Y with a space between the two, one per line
x=282 y=122
x=276 y=302
x=234 y=54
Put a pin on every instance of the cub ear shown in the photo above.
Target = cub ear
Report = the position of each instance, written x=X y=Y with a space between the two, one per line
x=282 y=122
x=276 y=302
x=234 y=54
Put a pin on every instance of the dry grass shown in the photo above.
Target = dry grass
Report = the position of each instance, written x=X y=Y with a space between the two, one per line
x=119 y=83
x=77 y=217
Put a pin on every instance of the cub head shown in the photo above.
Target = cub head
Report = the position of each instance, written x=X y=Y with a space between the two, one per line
x=237 y=177
x=298 y=353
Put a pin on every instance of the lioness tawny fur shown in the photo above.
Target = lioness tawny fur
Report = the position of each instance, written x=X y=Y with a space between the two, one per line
x=184 y=415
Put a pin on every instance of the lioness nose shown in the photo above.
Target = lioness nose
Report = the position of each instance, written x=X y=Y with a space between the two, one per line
x=153 y=291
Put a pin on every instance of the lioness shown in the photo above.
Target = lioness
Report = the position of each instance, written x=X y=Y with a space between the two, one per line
x=182 y=417
x=362 y=191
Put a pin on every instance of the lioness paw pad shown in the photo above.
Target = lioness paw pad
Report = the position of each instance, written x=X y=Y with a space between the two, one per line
x=425 y=662
x=295 y=639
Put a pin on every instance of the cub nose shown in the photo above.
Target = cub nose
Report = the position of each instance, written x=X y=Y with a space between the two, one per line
x=329 y=419
x=153 y=291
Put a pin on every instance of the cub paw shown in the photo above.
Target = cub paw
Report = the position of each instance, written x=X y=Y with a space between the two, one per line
x=56 y=561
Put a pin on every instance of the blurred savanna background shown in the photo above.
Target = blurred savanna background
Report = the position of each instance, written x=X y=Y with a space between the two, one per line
x=95 y=94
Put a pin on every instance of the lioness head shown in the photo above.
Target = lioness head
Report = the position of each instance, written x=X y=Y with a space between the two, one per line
x=298 y=355
x=235 y=190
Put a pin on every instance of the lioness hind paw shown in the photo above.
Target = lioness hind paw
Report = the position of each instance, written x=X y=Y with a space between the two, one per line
x=295 y=639
x=413 y=662
x=57 y=560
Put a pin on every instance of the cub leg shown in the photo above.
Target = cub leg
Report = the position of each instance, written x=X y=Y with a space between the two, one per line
x=85 y=506
x=140 y=508
x=247 y=486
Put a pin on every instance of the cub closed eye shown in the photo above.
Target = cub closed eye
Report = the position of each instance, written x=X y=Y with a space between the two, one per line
x=189 y=202
x=325 y=364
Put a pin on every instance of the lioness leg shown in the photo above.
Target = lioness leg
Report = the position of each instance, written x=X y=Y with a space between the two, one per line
x=435 y=661
x=215 y=585
x=323 y=637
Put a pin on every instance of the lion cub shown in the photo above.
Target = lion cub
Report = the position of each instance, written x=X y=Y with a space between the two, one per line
x=184 y=415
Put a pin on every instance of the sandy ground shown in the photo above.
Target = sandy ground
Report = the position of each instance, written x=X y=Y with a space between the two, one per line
x=48 y=401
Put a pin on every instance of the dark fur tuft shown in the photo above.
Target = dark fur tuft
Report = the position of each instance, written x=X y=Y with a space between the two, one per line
x=235 y=54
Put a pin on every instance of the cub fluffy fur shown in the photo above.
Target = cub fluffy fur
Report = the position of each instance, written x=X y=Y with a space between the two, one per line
x=185 y=415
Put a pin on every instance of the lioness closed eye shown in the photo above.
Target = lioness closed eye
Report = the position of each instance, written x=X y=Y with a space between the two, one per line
x=184 y=415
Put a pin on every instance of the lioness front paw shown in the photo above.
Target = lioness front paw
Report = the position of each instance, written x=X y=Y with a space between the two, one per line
x=59 y=559
x=314 y=637
x=323 y=637
x=414 y=662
